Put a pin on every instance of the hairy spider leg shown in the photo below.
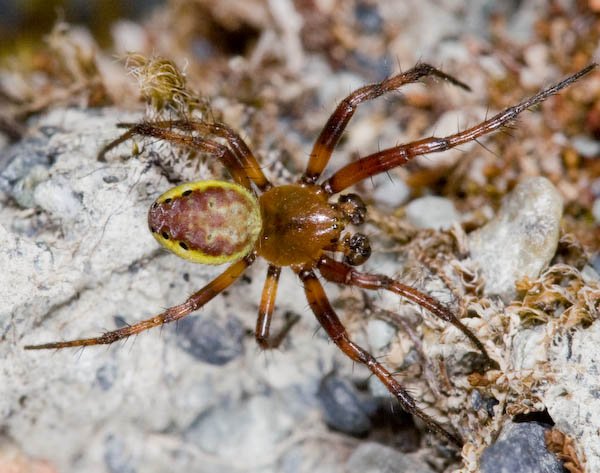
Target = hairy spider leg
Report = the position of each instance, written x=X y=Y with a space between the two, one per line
x=342 y=273
x=236 y=144
x=389 y=158
x=267 y=305
x=194 y=302
x=265 y=313
x=221 y=152
x=329 y=320
x=338 y=120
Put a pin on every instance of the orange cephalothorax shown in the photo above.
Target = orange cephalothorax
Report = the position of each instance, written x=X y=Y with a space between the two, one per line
x=209 y=222
x=298 y=224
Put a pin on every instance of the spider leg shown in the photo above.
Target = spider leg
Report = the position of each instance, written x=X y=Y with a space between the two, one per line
x=342 y=273
x=194 y=302
x=390 y=158
x=336 y=124
x=333 y=326
x=265 y=313
x=236 y=144
x=221 y=152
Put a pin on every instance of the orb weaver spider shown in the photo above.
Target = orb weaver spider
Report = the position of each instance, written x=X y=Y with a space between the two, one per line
x=295 y=225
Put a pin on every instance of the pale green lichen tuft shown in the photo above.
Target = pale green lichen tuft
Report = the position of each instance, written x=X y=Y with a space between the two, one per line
x=164 y=86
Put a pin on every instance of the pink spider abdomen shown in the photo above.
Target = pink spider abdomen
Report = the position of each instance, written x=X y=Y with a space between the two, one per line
x=210 y=222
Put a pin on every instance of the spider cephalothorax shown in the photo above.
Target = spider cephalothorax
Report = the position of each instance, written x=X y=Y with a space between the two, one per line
x=297 y=225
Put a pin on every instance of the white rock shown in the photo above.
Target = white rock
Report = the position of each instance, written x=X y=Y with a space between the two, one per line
x=596 y=210
x=94 y=265
x=379 y=334
x=521 y=240
x=390 y=191
x=432 y=212
x=572 y=393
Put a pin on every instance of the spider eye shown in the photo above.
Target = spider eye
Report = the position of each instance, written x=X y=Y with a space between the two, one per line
x=358 y=249
x=353 y=208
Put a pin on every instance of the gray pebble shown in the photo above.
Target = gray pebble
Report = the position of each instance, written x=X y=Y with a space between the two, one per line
x=106 y=375
x=368 y=17
x=23 y=167
x=521 y=240
x=116 y=457
x=372 y=457
x=596 y=210
x=520 y=447
x=342 y=406
x=211 y=339
x=241 y=429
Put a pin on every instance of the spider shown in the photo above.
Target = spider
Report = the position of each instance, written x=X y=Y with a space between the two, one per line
x=293 y=225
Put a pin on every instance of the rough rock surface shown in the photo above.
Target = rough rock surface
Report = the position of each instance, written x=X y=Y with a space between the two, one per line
x=168 y=397
x=375 y=458
x=571 y=359
x=520 y=447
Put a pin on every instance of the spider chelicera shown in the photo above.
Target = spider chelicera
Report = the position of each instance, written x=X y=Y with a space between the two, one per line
x=295 y=225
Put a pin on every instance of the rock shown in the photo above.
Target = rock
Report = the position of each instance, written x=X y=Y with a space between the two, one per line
x=520 y=447
x=343 y=408
x=586 y=146
x=116 y=456
x=212 y=339
x=241 y=431
x=596 y=210
x=573 y=397
x=521 y=239
x=372 y=457
x=379 y=334
x=390 y=192
x=432 y=212
x=90 y=266
x=368 y=17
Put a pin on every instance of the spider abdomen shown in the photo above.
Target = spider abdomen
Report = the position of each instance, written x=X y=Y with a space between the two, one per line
x=208 y=222
x=298 y=224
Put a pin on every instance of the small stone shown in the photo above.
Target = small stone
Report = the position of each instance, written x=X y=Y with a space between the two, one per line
x=116 y=456
x=586 y=146
x=520 y=447
x=213 y=340
x=368 y=17
x=391 y=192
x=596 y=210
x=432 y=212
x=379 y=334
x=58 y=198
x=343 y=408
x=105 y=376
x=521 y=240
x=372 y=457
x=243 y=431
